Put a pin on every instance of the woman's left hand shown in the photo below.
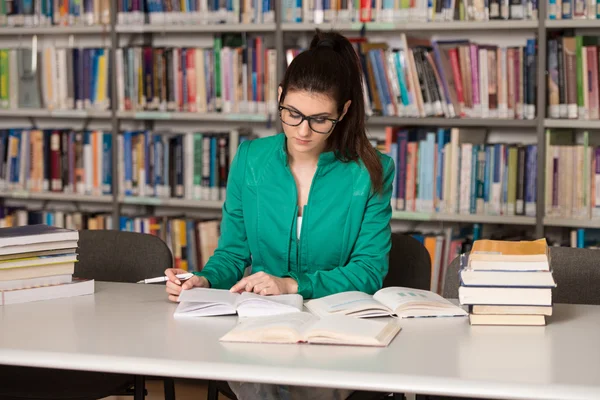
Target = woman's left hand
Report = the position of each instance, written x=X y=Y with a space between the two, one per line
x=266 y=285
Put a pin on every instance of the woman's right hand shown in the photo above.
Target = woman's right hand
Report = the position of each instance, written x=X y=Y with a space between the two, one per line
x=175 y=286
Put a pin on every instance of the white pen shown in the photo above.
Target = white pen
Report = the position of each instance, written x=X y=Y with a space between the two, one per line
x=181 y=277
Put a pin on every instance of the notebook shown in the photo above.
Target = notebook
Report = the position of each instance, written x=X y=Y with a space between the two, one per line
x=306 y=328
x=391 y=301
x=204 y=302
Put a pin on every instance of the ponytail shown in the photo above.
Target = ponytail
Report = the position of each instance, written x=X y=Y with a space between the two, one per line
x=331 y=66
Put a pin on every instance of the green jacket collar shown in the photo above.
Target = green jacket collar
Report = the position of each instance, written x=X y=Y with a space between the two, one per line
x=325 y=159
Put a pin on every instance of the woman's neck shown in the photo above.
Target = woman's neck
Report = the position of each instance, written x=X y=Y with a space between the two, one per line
x=303 y=159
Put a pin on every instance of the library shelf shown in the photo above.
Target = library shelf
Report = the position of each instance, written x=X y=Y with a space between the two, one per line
x=571 y=124
x=572 y=23
x=171 y=202
x=54 y=30
x=189 y=116
x=466 y=218
x=50 y=196
x=415 y=26
x=196 y=28
x=44 y=113
x=571 y=222
x=454 y=122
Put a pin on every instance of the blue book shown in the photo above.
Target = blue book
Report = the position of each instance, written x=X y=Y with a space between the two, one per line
x=474 y=178
x=531 y=180
x=443 y=137
x=128 y=163
x=107 y=163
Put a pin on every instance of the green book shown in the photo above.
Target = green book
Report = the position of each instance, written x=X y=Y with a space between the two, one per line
x=4 y=79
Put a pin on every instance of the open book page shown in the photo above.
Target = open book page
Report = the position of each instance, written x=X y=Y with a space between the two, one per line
x=253 y=305
x=203 y=302
x=356 y=304
x=344 y=330
x=287 y=328
x=408 y=303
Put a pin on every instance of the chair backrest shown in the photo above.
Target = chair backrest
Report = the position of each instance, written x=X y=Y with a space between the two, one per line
x=409 y=263
x=116 y=256
x=576 y=273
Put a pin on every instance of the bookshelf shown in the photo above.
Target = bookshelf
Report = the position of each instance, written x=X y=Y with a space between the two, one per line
x=279 y=31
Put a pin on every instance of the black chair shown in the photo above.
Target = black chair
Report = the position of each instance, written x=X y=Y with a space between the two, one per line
x=409 y=266
x=104 y=255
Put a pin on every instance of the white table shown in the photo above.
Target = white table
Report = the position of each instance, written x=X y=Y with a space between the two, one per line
x=129 y=328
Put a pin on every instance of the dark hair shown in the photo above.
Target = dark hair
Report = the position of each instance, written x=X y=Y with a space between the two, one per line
x=331 y=66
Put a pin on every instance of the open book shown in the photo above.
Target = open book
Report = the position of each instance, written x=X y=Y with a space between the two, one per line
x=203 y=302
x=390 y=301
x=307 y=328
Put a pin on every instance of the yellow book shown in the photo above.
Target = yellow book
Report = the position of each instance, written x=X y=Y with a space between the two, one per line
x=510 y=255
x=101 y=89
x=4 y=97
x=183 y=243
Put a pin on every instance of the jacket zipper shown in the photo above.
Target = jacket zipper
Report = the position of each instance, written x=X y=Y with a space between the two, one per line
x=304 y=219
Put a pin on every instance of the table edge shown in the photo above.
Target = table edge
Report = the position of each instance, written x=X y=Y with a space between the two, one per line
x=339 y=379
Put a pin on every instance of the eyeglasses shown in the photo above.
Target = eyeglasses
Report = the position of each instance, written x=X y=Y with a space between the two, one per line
x=318 y=124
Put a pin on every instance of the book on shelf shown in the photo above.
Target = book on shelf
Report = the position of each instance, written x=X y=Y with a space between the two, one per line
x=64 y=78
x=54 y=13
x=567 y=9
x=204 y=302
x=304 y=327
x=467 y=176
x=38 y=263
x=430 y=78
x=582 y=238
x=191 y=241
x=390 y=301
x=56 y=160
x=507 y=282
x=571 y=175
x=192 y=166
x=201 y=12
x=235 y=76
x=573 y=76
x=13 y=217
x=418 y=11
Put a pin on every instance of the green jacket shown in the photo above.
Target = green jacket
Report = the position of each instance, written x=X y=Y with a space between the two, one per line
x=345 y=235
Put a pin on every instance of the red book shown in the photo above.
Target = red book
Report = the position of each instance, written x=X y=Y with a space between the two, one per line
x=365 y=11
x=191 y=80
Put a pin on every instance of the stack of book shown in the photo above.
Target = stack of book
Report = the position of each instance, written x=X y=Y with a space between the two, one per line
x=37 y=262
x=507 y=283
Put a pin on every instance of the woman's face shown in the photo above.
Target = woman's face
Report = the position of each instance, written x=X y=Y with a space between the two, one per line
x=309 y=138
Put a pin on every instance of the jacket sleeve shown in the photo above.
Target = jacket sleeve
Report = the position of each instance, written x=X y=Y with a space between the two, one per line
x=368 y=264
x=232 y=255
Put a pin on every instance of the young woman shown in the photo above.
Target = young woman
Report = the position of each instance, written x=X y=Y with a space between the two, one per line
x=308 y=209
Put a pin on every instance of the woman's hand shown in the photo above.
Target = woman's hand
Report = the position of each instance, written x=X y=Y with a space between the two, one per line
x=266 y=285
x=175 y=286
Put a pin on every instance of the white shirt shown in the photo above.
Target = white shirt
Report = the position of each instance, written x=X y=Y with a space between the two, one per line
x=299 y=227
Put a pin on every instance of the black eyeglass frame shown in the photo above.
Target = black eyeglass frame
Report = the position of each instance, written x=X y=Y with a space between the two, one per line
x=307 y=118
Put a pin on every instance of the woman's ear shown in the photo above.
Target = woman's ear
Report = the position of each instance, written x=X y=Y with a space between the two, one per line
x=346 y=106
x=279 y=91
